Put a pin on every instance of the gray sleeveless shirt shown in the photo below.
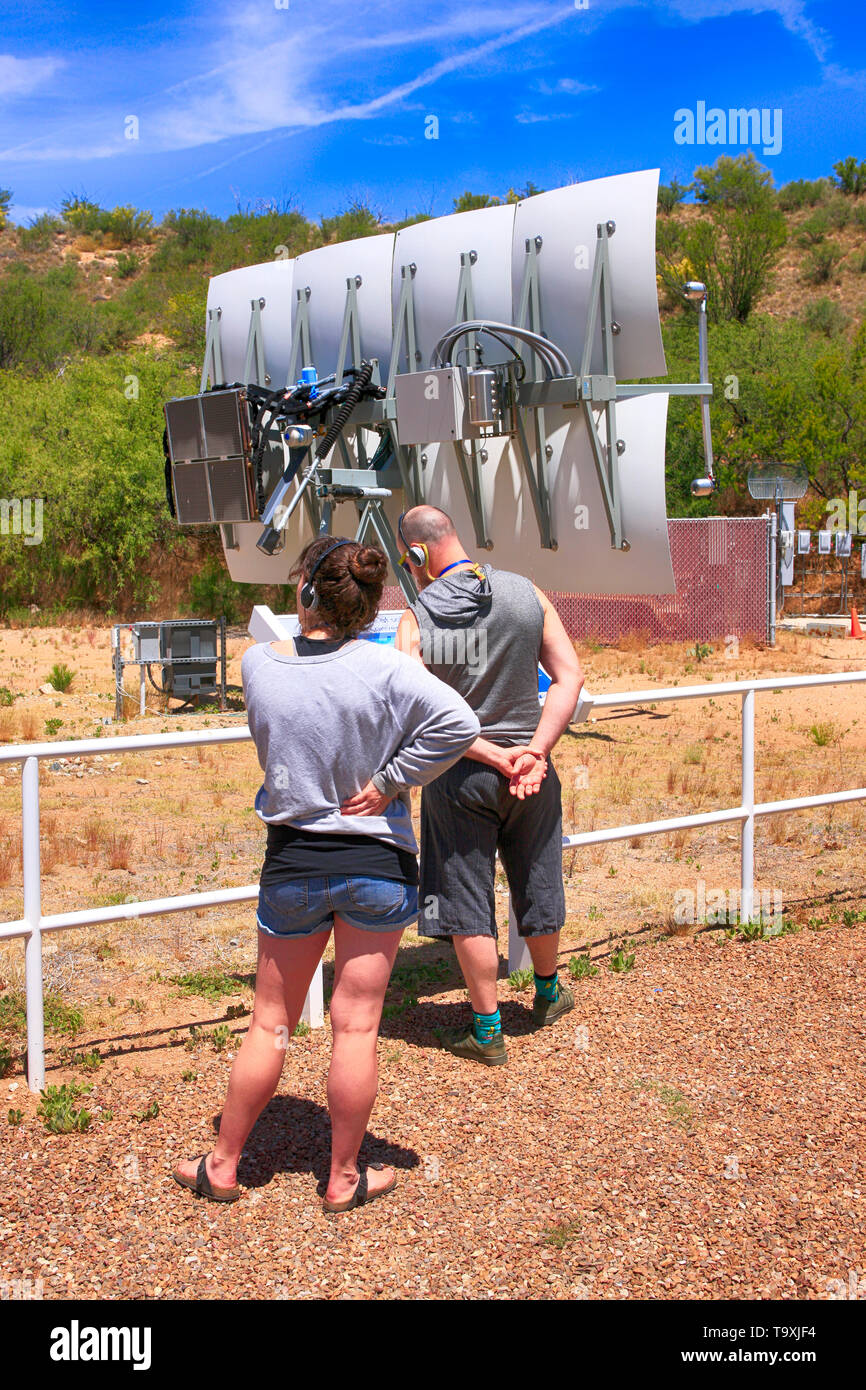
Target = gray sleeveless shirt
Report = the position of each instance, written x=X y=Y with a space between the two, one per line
x=483 y=638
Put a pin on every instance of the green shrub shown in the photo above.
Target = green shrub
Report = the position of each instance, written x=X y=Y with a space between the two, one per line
x=821 y=263
x=825 y=316
x=621 y=960
x=128 y=224
x=521 y=979
x=851 y=175
x=803 y=193
x=127 y=264
x=814 y=229
x=214 y=594
x=60 y=1017
x=58 y=1111
x=209 y=984
x=61 y=677
x=39 y=232
x=581 y=967
x=671 y=195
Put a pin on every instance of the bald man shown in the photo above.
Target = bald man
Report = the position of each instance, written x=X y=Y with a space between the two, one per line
x=484 y=631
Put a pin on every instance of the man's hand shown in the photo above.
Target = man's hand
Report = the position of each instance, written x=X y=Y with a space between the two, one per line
x=528 y=771
x=369 y=801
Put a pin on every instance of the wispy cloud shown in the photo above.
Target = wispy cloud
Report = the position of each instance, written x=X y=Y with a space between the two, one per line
x=21 y=77
x=566 y=86
x=271 y=88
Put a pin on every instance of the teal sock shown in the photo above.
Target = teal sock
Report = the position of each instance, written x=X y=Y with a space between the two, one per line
x=547 y=987
x=486 y=1026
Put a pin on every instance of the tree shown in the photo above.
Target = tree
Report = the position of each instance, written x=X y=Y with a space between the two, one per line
x=671 y=195
x=733 y=249
x=468 y=202
x=739 y=182
x=850 y=175
x=5 y=200
x=782 y=392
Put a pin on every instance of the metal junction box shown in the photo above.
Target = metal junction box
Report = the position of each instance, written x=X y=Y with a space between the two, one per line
x=189 y=657
x=448 y=404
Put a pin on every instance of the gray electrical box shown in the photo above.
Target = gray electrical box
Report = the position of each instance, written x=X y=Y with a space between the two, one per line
x=189 y=657
x=187 y=654
x=448 y=404
x=431 y=407
x=145 y=642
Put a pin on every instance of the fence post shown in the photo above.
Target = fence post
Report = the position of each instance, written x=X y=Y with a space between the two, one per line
x=747 y=834
x=33 y=917
x=518 y=951
x=313 y=1011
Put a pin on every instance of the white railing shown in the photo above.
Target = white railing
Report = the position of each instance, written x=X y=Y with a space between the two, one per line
x=33 y=924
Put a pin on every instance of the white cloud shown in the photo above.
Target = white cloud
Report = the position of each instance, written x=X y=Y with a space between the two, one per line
x=20 y=77
x=533 y=117
x=257 y=82
x=567 y=86
x=270 y=87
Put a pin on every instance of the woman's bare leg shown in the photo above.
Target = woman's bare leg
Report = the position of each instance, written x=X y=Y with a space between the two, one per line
x=285 y=969
x=362 y=968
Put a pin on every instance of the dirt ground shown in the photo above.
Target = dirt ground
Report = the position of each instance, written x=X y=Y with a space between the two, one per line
x=694 y=1129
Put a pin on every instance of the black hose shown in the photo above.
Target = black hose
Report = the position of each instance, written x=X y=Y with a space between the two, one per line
x=362 y=380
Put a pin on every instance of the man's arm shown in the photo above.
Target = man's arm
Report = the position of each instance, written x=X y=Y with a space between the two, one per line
x=561 y=663
x=408 y=640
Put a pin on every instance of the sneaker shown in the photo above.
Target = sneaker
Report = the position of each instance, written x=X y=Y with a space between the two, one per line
x=463 y=1043
x=546 y=1011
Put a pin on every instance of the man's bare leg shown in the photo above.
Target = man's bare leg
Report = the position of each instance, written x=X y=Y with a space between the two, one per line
x=479 y=960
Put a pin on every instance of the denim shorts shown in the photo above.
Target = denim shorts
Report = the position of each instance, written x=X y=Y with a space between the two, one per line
x=306 y=906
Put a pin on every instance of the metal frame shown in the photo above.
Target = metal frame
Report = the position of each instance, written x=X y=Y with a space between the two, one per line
x=588 y=389
x=529 y=316
x=212 y=367
x=470 y=467
x=33 y=924
x=256 y=346
x=321 y=487
x=120 y=663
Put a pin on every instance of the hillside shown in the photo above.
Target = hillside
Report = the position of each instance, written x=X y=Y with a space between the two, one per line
x=101 y=316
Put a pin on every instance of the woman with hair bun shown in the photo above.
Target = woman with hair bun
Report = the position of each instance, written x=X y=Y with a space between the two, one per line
x=343 y=728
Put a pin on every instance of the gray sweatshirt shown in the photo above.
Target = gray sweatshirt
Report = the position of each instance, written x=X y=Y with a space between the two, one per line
x=326 y=725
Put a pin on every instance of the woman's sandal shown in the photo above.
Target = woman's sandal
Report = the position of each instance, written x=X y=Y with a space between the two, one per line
x=202 y=1186
x=361 y=1194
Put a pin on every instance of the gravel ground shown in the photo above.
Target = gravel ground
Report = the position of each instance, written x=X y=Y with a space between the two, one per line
x=693 y=1130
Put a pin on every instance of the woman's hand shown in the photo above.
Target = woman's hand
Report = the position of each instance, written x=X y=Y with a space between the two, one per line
x=369 y=801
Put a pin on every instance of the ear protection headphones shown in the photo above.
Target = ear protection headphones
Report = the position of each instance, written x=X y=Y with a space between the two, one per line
x=309 y=597
x=417 y=553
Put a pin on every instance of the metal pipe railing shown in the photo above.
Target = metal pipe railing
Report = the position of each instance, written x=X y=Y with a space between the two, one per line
x=33 y=924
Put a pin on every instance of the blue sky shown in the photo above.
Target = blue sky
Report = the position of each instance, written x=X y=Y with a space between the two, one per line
x=318 y=105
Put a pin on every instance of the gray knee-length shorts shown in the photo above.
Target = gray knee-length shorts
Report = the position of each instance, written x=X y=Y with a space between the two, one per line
x=467 y=815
